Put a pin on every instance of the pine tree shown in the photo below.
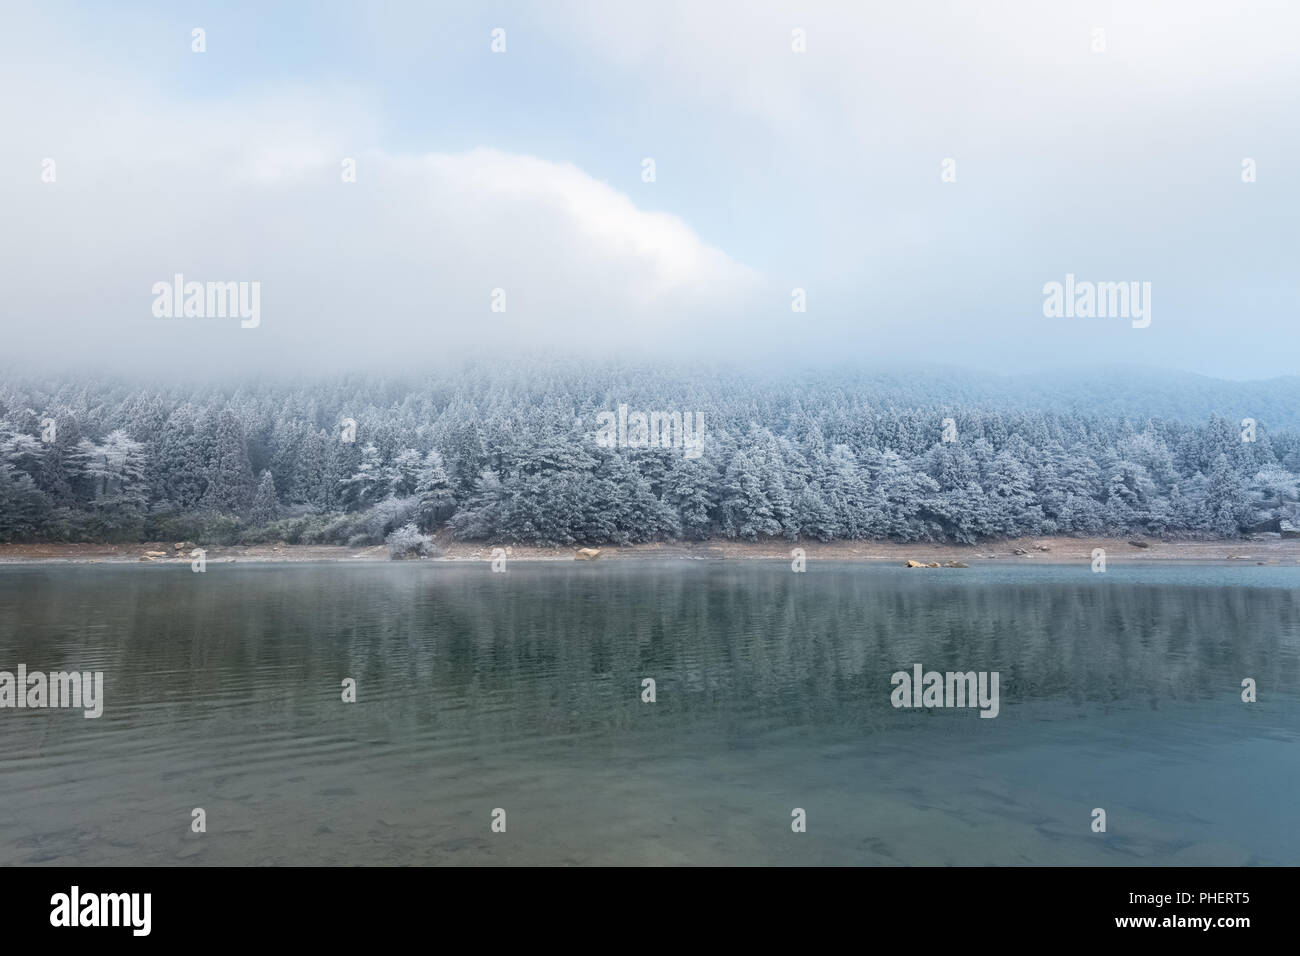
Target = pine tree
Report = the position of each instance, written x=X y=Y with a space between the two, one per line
x=266 y=506
x=230 y=475
x=745 y=509
x=434 y=498
x=848 y=497
x=181 y=467
x=690 y=484
x=23 y=508
x=403 y=473
x=1010 y=491
x=483 y=515
x=367 y=484
x=114 y=470
x=828 y=458
x=1226 y=505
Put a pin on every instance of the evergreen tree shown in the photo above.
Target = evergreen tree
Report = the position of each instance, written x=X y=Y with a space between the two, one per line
x=842 y=456
x=745 y=509
x=266 y=505
x=433 y=493
x=1226 y=504
x=367 y=484
x=23 y=508
x=689 y=489
x=230 y=475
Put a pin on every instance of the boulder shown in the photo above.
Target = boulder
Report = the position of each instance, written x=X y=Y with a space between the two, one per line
x=1140 y=544
x=1020 y=551
x=156 y=554
x=913 y=564
x=955 y=564
x=587 y=554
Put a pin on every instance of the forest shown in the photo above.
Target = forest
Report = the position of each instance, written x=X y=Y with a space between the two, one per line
x=511 y=452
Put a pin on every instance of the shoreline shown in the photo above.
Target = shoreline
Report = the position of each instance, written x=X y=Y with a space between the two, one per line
x=1043 y=550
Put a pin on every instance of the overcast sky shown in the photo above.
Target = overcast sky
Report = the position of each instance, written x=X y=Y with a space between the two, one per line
x=774 y=170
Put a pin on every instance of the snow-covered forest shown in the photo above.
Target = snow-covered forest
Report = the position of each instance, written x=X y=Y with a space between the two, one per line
x=509 y=454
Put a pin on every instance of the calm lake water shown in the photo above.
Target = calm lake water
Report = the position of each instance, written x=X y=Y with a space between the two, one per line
x=522 y=691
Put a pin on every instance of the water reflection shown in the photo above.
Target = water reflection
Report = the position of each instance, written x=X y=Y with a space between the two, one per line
x=223 y=691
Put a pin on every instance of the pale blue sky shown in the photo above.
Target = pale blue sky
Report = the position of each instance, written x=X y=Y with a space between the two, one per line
x=775 y=169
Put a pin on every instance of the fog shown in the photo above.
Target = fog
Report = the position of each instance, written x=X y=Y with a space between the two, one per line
x=500 y=200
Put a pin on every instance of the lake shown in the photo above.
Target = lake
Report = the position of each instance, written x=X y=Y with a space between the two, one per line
x=477 y=691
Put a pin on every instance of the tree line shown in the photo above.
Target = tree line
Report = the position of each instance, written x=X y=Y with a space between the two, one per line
x=510 y=454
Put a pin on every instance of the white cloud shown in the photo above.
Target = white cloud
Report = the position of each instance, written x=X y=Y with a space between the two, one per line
x=820 y=168
x=400 y=264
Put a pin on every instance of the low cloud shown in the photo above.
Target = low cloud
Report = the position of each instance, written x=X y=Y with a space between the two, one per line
x=403 y=264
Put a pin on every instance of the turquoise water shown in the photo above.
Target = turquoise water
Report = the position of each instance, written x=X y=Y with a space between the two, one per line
x=523 y=691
